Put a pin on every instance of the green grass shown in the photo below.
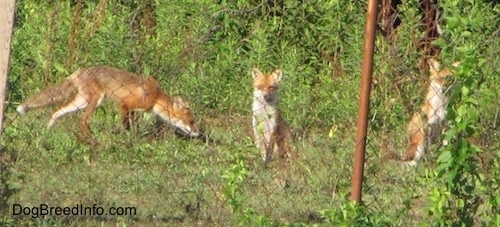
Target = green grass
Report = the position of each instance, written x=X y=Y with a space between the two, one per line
x=179 y=182
x=163 y=176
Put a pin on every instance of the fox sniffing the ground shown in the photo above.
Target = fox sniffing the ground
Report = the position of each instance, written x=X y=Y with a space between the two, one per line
x=426 y=124
x=88 y=87
x=271 y=133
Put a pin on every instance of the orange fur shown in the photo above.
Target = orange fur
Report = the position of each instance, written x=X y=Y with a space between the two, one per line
x=430 y=116
x=86 y=89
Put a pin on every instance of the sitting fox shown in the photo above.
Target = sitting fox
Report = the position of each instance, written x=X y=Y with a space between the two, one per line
x=423 y=124
x=271 y=133
x=86 y=89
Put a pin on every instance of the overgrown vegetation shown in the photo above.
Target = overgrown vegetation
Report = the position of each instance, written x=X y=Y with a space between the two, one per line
x=205 y=50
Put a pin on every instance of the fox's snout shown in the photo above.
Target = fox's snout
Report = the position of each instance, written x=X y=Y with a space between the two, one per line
x=194 y=131
x=188 y=129
x=269 y=98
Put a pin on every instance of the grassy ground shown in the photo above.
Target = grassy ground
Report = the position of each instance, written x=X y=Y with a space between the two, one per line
x=179 y=182
x=168 y=179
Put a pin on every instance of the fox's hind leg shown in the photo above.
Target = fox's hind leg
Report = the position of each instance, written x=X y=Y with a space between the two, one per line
x=79 y=103
x=92 y=103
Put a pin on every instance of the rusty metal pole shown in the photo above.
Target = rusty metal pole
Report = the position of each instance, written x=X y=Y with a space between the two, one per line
x=364 y=102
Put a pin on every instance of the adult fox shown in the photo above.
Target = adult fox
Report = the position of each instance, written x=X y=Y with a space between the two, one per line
x=424 y=123
x=86 y=89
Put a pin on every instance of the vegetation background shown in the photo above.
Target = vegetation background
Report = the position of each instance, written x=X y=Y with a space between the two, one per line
x=205 y=49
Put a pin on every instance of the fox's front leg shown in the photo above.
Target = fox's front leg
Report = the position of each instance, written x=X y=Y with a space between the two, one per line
x=260 y=143
x=261 y=139
x=127 y=116
x=269 y=145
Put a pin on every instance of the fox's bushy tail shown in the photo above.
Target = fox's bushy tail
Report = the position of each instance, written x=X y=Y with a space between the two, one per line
x=52 y=95
x=409 y=157
x=391 y=155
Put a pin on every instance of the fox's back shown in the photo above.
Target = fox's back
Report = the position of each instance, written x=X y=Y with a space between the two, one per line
x=116 y=82
x=110 y=77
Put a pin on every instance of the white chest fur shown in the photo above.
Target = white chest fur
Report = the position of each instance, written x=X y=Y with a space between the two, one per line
x=437 y=101
x=264 y=114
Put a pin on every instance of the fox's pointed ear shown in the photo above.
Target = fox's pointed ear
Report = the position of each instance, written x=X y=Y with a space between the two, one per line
x=179 y=103
x=434 y=66
x=256 y=73
x=277 y=75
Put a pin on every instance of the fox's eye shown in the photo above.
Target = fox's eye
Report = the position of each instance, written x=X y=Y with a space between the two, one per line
x=272 y=87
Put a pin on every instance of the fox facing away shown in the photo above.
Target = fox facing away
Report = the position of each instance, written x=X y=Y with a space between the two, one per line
x=86 y=89
x=271 y=133
x=422 y=128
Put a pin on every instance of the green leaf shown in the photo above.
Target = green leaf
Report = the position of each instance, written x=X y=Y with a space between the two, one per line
x=465 y=90
x=440 y=42
x=473 y=101
x=453 y=22
x=466 y=34
x=444 y=157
